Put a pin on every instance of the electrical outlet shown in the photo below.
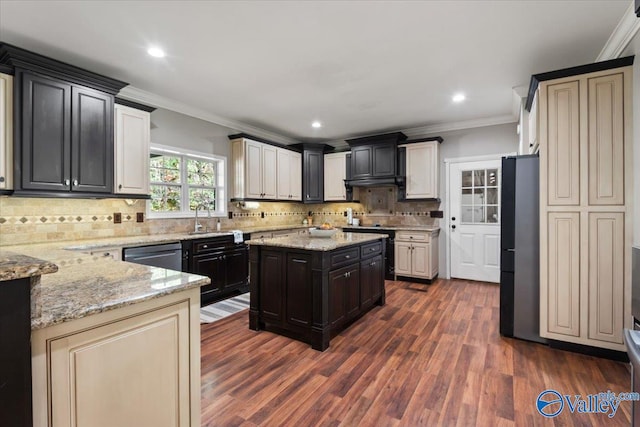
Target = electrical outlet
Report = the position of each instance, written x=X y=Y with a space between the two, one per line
x=436 y=214
x=230 y=215
x=117 y=218
x=139 y=216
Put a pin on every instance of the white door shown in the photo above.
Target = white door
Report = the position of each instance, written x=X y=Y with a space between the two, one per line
x=474 y=203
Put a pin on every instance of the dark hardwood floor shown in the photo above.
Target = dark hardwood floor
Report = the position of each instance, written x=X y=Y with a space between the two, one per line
x=431 y=356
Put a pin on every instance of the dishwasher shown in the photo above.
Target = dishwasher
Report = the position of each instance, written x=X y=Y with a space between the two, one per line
x=166 y=255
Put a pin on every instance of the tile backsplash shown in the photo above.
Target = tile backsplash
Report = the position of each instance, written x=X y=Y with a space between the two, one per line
x=33 y=220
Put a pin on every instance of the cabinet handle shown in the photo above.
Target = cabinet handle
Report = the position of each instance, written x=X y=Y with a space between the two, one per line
x=1 y=178
x=347 y=256
x=75 y=182
x=372 y=249
x=67 y=182
x=120 y=187
x=373 y=263
x=106 y=254
x=205 y=246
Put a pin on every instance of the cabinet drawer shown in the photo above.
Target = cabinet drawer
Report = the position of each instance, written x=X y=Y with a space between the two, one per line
x=208 y=246
x=413 y=236
x=345 y=256
x=370 y=249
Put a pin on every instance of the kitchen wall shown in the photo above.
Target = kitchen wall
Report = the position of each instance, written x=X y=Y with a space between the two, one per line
x=488 y=140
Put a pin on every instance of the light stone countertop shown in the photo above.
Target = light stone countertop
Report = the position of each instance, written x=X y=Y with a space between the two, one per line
x=394 y=227
x=309 y=243
x=86 y=284
x=18 y=266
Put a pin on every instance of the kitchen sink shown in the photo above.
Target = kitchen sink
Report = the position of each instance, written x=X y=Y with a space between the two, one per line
x=211 y=232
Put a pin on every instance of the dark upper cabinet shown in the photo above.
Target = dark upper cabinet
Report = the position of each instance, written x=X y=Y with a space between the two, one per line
x=46 y=134
x=375 y=157
x=67 y=137
x=312 y=172
x=63 y=126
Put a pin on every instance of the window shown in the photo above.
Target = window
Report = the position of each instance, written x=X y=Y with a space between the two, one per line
x=480 y=201
x=181 y=181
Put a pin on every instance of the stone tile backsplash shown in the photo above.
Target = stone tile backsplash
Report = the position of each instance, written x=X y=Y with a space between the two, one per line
x=32 y=220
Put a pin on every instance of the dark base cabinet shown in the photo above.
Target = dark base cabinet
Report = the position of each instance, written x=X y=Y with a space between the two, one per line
x=224 y=262
x=15 y=353
x=311 y=295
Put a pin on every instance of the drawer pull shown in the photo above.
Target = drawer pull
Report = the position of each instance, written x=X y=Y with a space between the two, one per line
x=347 y=256
x=372 y=249
x=205 y=246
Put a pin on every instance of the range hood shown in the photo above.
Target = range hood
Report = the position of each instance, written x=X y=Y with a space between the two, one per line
x=375 y=161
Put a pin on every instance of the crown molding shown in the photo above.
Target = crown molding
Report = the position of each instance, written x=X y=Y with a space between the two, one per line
x=463 y=124
x=138 y=95
x=621 y=35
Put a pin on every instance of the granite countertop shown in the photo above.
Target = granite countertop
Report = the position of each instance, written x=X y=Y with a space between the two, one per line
x=18 y=266
x=309 y=243
x=395 y=227
x=85 y=284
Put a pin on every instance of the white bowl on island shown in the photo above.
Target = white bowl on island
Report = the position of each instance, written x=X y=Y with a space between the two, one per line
x=322 y=232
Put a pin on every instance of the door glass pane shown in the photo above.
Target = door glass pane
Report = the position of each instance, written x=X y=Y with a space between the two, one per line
x=478 y=214
x=467 y=198
x=492 y=214
x=478 y=178
x=492 y=177
x=478 y=196
x=492 y=196
x=467 y=179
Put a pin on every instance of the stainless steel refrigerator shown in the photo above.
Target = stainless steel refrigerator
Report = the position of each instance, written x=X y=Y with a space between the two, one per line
x=520 y=246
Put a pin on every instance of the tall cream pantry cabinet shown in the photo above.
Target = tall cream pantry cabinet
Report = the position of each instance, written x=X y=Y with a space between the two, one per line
x=584 y=129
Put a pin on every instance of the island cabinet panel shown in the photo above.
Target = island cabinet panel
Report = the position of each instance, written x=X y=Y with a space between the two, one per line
x=313 y=294
x=211 y=265
x=298 y=292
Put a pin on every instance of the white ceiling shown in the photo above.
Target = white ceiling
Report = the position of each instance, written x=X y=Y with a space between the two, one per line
x=360 y=67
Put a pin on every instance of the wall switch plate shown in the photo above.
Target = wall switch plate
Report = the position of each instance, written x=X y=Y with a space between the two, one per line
x=261 y=214
x=436 y=214
x=139 y=216
x=117 y=218
x=230 y=215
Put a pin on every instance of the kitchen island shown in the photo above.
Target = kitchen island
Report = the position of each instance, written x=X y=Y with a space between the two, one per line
x=311 y=288
x=111 y=343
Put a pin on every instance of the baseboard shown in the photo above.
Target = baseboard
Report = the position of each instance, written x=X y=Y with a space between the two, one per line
x=603 y=353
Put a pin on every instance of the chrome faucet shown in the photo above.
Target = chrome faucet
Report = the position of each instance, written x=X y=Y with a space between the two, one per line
x=197 y=226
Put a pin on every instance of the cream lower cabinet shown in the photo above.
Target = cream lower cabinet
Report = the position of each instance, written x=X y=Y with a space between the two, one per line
x=586 y=186
x=416 y=254
x=134 y=366
x=6 y=132
x=132 y=143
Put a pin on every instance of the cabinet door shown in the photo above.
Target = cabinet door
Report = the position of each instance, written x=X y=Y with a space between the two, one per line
x=533 y=126
x=337 y=297
x=384 y=160
x=403 y=258
x=237 y=267
x=298 y=293
x=283 y=172
x=295 y=175
x=352 y=291
x=253 y=170
x=606 y=140
x=271 y=286
x=361 y=162
x=46 y=134
x=563 y=144
x=606 y=276
x=132 y=150
x=90 y=372
x=213 y=266
x=422 y=170
x=91 y=141
x=6 y=132
x=269 y=172
x=313 y=182
x=420 y=257
x=563 y=275
x=371 y=274
x=335 y=172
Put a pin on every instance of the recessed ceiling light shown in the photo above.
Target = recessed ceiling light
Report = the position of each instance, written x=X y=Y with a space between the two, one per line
x=459 y=97
x=316 y=124
x=156 y=52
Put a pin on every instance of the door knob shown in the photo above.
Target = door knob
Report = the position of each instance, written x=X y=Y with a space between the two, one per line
x=453 y=226
x=453 y=218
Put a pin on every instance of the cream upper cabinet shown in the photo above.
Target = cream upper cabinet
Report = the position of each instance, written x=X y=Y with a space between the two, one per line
x=335 y=172
x=6 y=132
x=585 y=137
x=422 y=170
x=132 y=133
x=289 y=181
x=263 y=171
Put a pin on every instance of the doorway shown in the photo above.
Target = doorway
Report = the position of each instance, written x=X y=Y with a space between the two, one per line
x=474 y=219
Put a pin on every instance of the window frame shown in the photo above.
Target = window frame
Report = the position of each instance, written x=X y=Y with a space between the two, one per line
x=185 y=154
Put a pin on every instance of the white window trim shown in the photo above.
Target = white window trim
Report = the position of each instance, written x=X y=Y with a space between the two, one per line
x=222 y=176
